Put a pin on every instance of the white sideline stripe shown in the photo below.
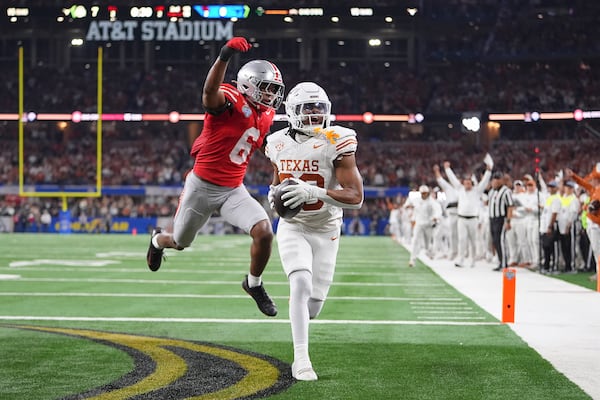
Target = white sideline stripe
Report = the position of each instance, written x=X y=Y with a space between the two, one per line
x=447 y=317
x=5 y=277
x=449 y=307
x=179 y=282
x=184 y=271
x=444 y=311
x=208 y=296
x=238 y=320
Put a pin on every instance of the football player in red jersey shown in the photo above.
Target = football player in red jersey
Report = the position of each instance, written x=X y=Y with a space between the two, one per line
x=237 y=120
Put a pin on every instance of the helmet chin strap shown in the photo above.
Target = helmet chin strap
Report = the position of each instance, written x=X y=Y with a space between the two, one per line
x=299 y=136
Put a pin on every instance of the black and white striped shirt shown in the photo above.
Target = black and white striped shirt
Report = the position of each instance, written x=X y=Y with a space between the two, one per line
x=499 y=200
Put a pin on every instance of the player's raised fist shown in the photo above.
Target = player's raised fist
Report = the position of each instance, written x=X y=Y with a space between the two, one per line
x=233 y=45
x=238 y=43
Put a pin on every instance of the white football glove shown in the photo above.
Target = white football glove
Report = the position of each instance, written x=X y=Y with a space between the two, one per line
x=296 y=195
x=487 y=160
x=271 y=196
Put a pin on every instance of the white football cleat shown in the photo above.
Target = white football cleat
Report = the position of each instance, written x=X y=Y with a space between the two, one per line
x=303 y=371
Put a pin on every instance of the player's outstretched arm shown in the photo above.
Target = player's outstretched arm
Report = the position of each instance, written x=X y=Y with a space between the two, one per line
x=212 y=97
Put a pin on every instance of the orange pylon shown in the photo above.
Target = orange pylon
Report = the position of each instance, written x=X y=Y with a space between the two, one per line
x=509 y=280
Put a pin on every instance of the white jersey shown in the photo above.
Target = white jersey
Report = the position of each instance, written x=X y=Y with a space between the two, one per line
x=312 y=161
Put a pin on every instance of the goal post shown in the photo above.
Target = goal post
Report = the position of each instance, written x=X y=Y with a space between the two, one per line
x=25 y=190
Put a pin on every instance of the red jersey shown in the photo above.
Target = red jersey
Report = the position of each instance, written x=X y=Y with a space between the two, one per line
x=223 y=149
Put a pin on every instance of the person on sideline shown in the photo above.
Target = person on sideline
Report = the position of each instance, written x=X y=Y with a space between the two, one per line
x=549 y=228
x=591 y=184
x=587 y=256
x=500 y=208
x=320 y=159
x=394 y=220
x=530 y=207
x=237 y=120
x=469 y=200
x=427 y=214
x=567 y=222
x=516 y=238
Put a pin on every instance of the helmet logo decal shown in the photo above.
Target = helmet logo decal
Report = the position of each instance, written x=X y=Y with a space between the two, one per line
x=277 y=77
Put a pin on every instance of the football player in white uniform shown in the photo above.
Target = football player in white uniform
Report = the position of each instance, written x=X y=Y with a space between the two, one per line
x=321 y=159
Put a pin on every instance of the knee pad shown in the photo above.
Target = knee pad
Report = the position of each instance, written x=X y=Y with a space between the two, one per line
x=301 y=283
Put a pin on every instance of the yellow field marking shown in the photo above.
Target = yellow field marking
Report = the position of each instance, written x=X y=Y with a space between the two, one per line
x=260 y=374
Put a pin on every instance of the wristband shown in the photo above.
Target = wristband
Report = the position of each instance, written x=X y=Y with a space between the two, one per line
x=226 y=53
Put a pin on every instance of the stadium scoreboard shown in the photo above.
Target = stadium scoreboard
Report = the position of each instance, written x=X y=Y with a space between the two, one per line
x=177 y=12
x=182 y=22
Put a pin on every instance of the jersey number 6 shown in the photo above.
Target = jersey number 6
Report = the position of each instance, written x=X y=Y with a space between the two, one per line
x=241 y=151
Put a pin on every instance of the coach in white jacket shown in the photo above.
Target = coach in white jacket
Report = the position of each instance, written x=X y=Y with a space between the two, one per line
x=427 y=213
x=469 y=204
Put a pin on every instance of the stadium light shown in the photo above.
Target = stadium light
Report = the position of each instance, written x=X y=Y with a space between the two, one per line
x=471 y=122
x=412 y=11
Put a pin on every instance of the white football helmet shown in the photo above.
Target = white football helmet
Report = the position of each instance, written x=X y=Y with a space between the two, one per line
x=261 y=82
x=308 y=107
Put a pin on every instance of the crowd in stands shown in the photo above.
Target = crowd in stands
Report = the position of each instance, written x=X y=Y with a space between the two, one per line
x=382 y=164
x=356 y=88
x=513 y=29
x=158 y=154
x=27 y=212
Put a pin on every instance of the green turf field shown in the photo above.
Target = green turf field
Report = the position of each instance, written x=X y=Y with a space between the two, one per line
x=81 y=316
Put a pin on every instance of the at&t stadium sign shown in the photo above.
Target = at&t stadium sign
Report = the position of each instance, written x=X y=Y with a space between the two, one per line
x=115 y=31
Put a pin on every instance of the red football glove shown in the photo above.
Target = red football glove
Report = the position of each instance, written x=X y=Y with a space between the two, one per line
x=236 y=44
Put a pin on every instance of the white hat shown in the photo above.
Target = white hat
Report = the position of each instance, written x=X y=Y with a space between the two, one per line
x=424 y=189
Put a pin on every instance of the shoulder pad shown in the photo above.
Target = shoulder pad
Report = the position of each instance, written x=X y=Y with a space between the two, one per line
x=345 y=140
x=343 y=131
x=231 y=93
x=276 y=135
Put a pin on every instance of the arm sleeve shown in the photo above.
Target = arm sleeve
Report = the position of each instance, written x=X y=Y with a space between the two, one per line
x=452 y=178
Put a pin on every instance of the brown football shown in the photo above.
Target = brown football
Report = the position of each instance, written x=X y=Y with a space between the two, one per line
x=283 y=211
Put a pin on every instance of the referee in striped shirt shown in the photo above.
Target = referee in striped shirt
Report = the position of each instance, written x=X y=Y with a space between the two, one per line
x=500 y=206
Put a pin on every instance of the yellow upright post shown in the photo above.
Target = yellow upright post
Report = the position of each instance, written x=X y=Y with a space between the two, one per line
x=99 y=126
x=20 y=122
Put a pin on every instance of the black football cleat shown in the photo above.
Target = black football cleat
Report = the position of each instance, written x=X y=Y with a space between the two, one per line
x=154 y=256
x=263 y=301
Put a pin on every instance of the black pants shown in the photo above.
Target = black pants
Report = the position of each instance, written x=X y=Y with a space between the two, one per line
x=566 y=249
x=588 y=257
x=497 y=233
x=549 y=241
